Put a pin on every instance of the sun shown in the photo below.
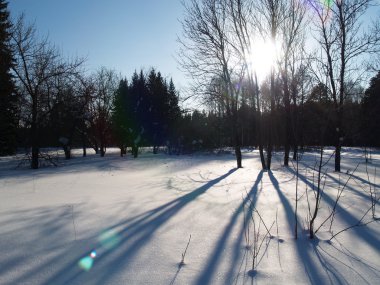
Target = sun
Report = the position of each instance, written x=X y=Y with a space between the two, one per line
x=262 y=58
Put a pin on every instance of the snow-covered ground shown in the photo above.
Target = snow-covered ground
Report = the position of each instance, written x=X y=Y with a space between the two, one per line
x=116 y=220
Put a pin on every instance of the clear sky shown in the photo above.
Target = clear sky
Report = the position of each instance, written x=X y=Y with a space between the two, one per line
x=124 y=35
x=120 y=34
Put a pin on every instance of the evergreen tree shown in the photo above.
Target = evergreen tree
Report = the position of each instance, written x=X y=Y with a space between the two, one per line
x=173 y=116
x=8 y=102
x=157 y=110
x=119 y=117
x=136 y=110
x=145 y=112
x=371 y=115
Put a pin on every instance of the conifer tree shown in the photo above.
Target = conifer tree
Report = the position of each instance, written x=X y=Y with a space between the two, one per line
x=119 y=117
x=174 y=114
x=8 y=103
x=370 y=112
x=136 y=111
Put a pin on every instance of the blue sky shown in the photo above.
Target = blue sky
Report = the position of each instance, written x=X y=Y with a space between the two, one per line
x=124 y=35
x=120 y=34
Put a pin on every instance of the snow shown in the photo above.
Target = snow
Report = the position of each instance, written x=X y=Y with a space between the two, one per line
x=118 y=220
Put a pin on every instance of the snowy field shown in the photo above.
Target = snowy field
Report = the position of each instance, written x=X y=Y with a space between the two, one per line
x=116 y=220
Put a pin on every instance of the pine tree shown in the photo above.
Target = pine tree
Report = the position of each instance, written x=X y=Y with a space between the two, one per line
x=120 y=123
x=158 y=109
x=136 y=110
x=173 y=116
x=370 y=111
x=8 y=103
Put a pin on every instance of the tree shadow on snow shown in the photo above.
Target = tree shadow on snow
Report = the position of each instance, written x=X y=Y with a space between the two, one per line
x=129 y=237
x=212 y=263
x=33 y=233
x=363 y=233
x=310 y=252
x=303 y=248
x=342 y=181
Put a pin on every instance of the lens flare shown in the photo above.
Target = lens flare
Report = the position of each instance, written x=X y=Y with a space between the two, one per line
x=320 y=4
x=328 y=3
x=93 y=254
x=86 y=263
x=109 y=239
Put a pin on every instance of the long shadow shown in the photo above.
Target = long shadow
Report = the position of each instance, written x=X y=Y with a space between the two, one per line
x=348 y=187
x=364 y=181
x=324 y=256
x=47 y=233
x=303 y=247
x=130 y=239
x=354 y=177
x=215 y=258
x=361 y=232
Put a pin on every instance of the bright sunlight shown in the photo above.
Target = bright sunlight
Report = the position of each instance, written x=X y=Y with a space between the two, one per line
x=263 y=57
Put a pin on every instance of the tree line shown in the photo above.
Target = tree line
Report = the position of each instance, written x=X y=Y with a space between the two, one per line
x=318 y=45
x=309 y=98
x=314 y=122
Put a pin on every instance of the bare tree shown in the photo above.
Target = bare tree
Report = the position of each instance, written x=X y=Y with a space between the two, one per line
x=270 y=16
x=292 y=39
x=37 y=66
x=206 y=54
x=243 y=37
x=343 y=42
x=86 y=91
x=105 y=83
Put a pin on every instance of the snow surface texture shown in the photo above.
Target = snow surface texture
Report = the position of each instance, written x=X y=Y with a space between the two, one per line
x=116 y=220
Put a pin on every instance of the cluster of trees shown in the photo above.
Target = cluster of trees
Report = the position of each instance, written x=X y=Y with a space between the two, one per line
x=146 y=112
x=315 y=121
x=308 y=90
x=8 y=104
x=49 y=100
x=308 y=98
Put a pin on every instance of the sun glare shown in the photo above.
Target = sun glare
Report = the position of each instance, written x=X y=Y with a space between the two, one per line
x=262 y=58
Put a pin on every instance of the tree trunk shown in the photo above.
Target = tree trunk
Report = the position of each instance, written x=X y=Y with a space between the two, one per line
x=338 y=141
x=96 y=147
x=236 y=136
x=34 y=135
x=337 y=157
x=317 y=196
x=295 y=152
x=287 y=117
x=287 y=151
x=102 y=150
x=135 y=151
x=67 y=151
x=123 y=150
x=262 y=158
x=287 y=130
x=269 y=155
x=237 y=147
x=259 y=128
x=238 y=156
x=271 y=119
x=84 y=145
x=35 y=152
